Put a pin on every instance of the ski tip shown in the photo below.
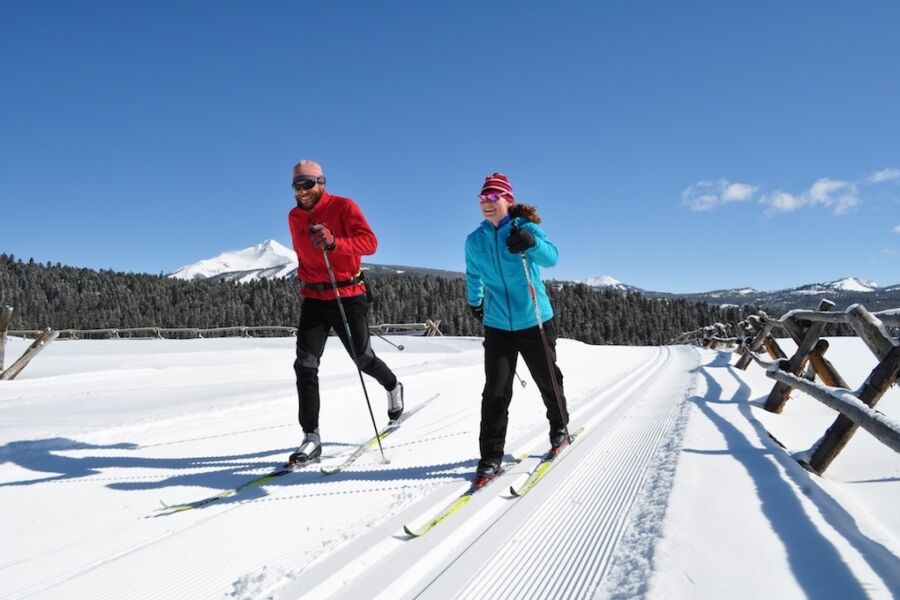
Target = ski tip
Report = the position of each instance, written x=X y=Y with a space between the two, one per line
x=512 y=490
x=409 y=531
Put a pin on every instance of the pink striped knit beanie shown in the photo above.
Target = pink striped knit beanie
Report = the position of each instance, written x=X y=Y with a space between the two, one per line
x=498 y=183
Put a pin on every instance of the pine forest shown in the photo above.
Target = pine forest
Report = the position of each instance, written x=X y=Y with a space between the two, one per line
x=60 y=297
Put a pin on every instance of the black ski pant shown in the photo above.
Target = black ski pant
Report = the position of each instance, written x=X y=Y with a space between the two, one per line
x=317 y=319
x=501 y=350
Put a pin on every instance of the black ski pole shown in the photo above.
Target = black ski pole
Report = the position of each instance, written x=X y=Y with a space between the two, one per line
x=397 y=346
x=337 y=296
x=537 y=314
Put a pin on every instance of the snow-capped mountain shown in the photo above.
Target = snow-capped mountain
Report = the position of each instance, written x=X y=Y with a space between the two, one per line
x=848 y=284
x=605 y=281
x=602 y=281
x=266 y=260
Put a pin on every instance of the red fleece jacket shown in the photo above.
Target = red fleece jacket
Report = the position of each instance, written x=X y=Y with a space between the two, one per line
x=353 y=239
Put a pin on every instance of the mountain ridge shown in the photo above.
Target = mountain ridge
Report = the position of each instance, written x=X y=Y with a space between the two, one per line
x=270 y=259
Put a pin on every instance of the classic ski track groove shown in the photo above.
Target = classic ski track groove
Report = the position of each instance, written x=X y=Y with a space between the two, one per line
x=353 y=581
x=582 y=531
x=536 y=560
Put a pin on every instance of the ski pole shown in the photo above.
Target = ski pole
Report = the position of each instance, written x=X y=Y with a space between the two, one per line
x=537 y=314
x=337 y=296
x=397 y=346
x=522 y=381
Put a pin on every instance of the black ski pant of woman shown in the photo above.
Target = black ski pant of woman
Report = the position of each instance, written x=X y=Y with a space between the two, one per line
x=501 y=350
x=317 y=319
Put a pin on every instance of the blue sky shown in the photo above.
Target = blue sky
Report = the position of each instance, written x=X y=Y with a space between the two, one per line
x=677 y=146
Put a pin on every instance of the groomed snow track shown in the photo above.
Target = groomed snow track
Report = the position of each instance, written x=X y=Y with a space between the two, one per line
x=556 y=542
x=86 y=507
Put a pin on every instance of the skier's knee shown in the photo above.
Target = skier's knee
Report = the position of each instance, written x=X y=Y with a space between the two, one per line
x=306 y=362
x=365 y=359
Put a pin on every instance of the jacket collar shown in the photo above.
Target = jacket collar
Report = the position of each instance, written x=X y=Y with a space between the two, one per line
x=323 y=201
x=490 y=226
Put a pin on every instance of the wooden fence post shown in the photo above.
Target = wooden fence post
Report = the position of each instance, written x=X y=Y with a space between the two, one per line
x=826 y=371
x=871 y=330
x=773 y=349
x=781 y=391
x=5 y=320
x=840 y=432
x=762 y=331
x=47 y=336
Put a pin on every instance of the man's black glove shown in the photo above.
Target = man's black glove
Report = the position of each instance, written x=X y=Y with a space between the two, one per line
x=519 y=240
x=322 y=237
x=478 y=311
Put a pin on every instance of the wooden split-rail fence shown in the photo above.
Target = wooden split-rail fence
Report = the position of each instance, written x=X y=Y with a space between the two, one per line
x=879 y=332
x=41 y=340
x=43 y=337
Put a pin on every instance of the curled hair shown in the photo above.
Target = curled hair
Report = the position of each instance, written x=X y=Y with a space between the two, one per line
x=526 y=211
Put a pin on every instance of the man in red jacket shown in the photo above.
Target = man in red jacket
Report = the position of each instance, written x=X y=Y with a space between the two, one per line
x=322 y=222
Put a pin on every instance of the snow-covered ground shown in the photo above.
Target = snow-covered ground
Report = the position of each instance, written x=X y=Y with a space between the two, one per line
x=677 y=487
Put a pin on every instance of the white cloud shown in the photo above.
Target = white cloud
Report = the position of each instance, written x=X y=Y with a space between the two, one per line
x=840 y=196
x=707 y=195
x=888 y=174
x=897 y=229
x=782 y=202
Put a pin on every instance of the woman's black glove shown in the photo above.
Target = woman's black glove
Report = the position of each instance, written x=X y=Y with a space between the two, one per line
x=519 y=240
x=478 y=311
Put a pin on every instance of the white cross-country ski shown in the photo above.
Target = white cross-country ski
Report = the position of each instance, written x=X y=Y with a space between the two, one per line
x=390 y=428
x=261 y=480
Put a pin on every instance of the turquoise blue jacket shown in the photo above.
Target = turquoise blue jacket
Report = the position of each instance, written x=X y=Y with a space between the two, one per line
x=495 y=275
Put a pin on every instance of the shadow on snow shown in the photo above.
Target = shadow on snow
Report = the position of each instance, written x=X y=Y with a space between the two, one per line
x=816 y=564
x=219 y=473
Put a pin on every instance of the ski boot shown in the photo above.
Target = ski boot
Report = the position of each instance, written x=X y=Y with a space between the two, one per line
x=395 y=402
x=309 y=451
x=487 y=470
x=558 y=440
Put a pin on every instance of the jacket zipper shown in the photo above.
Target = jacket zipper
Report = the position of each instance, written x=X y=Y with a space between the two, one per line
x=502 y=277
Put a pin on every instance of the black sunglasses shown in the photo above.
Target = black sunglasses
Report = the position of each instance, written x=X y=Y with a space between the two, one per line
x=307 y=184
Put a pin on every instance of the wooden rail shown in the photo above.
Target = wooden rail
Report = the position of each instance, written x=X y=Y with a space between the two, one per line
x=799 y=371
x=42 y=337
x=428 y=328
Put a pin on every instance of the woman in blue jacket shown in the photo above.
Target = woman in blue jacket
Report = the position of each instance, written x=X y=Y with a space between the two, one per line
x=498 y=293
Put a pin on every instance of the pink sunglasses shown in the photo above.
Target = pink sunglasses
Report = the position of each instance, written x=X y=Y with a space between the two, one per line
x=490 y=197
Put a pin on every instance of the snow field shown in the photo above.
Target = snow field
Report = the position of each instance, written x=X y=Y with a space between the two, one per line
x=676 y=489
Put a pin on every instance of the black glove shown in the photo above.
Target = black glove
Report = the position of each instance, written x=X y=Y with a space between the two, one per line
x=322 y=237
x=478 y=311
x=519 y=240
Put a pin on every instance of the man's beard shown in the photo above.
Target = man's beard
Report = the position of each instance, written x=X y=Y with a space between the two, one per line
x=314 y=199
